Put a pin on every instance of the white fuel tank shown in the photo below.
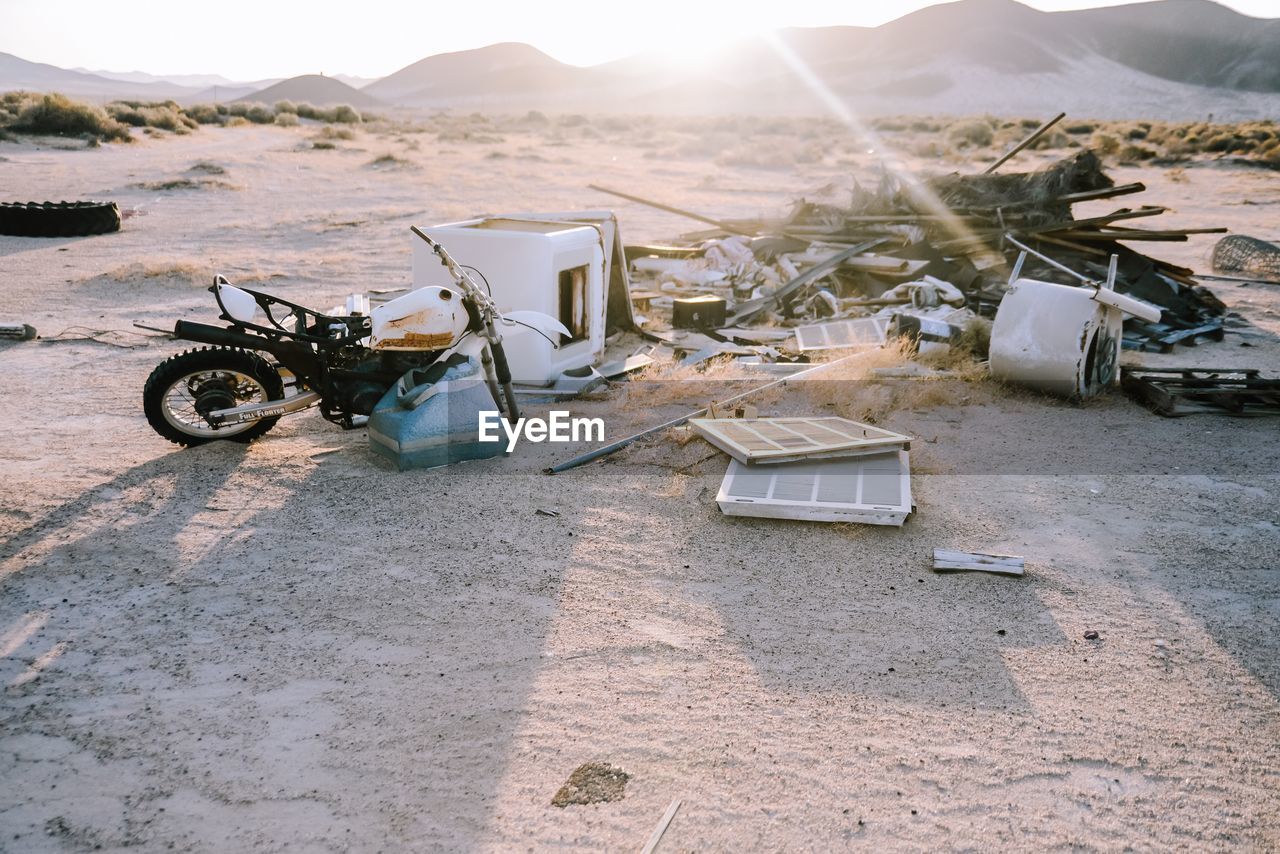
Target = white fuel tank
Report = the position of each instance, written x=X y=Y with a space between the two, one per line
x=430 y=318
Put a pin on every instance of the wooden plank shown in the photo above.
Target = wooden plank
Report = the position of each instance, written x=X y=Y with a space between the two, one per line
x=947 y=560
x=1098 y=220
x=1107 y=193
x=1168 y=232
x=1123 y=235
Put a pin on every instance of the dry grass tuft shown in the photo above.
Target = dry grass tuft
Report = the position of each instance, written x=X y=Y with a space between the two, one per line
x=182 y=271
x=849 y=389
x=389 y=161
x=184 y=184
x=667 y=383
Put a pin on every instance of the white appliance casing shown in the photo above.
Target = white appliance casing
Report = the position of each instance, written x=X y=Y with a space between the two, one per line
x=522 y=258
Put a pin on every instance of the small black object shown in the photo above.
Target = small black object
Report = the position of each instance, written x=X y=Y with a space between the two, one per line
x=58 y=219
x=923 y=329
x=701 y=312
x=1091 y=635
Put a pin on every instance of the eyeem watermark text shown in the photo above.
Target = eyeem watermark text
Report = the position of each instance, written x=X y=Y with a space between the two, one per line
x=558 y=426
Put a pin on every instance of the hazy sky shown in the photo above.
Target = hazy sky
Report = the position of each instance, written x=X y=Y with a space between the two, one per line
x=255 y=39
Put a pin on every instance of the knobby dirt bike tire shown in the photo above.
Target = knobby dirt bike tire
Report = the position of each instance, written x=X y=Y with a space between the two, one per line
x=58 y=219
x=208 y=359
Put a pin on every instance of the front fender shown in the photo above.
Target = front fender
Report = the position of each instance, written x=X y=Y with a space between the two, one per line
x=544 y=323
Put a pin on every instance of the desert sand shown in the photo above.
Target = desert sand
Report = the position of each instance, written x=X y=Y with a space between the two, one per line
x=289 y=647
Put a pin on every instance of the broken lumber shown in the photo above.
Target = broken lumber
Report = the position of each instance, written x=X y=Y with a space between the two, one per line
x=1028 y=140
x=947 y=560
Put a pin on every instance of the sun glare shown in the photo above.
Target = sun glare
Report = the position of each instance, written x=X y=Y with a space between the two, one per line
x=702 y=44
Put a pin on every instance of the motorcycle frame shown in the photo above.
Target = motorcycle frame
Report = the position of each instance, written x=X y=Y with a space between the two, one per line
x=297 y=349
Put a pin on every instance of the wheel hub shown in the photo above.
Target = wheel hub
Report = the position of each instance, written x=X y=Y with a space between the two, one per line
x=212 y=395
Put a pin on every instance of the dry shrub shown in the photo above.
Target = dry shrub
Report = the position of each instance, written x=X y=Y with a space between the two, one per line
x=205 y=114
x=1134 y=154
x=59 y=115
x=331 y=132
x=928 y=148
x=343 y=114
x=164 y=115
x=260 y=114
x=1104 y=144
x=346 y=114
x=1053 y=139
x=286 y=120
x=974 y=133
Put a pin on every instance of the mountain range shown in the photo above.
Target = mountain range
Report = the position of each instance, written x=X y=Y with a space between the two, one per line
x=1161 y=59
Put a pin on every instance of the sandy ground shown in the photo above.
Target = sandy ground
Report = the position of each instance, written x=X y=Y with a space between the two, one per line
x=289 y=647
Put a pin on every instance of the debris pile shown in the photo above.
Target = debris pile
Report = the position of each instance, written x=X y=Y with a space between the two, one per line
x=933 y=253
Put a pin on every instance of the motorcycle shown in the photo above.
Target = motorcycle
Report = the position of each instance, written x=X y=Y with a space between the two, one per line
x=276 y=358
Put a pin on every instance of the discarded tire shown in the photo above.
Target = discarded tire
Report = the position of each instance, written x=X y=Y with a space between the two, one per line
x=58 y=219
x=1240 y=254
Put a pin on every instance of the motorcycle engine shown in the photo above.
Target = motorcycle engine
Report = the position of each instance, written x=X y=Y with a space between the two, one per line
x=375 y=373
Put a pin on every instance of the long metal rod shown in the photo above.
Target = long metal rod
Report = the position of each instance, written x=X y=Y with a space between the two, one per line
x=1045 y=258
x=1035 y=134
x=678 y=211
x=676 y=422
x=656 y=837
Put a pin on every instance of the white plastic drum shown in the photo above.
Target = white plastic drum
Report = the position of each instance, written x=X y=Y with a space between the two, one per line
x=1057 y=339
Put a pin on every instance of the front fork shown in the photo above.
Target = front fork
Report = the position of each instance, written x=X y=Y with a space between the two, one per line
x=498 y=374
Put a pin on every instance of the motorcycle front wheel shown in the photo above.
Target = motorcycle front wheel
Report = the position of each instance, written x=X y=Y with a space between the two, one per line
x=185 y=388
